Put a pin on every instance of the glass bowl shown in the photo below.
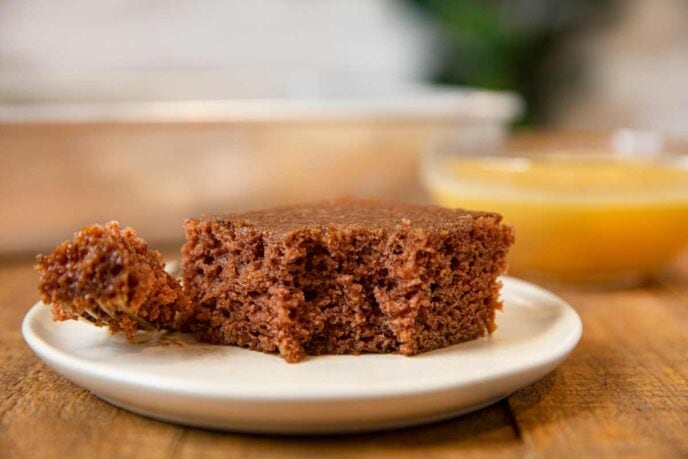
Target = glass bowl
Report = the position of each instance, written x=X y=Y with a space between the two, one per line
x=151 y=164
x=609 y=213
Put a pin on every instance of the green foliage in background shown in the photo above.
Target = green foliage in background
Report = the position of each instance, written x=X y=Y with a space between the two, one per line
x=511 y=44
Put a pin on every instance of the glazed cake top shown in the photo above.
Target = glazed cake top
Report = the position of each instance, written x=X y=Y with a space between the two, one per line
x=353 y=212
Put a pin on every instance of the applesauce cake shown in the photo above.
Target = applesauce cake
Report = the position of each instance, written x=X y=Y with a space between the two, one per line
x=345 y=276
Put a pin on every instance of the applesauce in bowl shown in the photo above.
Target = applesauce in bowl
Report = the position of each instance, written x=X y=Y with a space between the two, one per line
x=590 y=216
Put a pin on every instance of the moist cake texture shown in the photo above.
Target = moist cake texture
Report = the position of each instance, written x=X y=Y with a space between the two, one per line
x=345 y=276
x=109 y=276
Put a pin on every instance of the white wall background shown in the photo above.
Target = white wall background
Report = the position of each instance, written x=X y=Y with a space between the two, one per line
x=635 y=70
x=80 y=50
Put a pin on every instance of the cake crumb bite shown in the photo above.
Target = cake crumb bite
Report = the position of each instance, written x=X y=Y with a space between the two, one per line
x=108 y=276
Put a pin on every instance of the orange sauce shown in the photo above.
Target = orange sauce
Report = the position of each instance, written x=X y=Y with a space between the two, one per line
x=588 y=218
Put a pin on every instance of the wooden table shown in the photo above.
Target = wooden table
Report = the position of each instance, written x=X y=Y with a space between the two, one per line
x=623 y=391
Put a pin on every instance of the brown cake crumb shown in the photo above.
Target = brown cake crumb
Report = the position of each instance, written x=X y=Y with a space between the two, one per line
x=345 y=276
x=109 y=276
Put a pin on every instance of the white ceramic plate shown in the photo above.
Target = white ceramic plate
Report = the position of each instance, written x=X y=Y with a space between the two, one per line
x=225 y=387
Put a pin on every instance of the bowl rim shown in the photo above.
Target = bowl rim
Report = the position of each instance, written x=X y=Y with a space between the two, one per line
x=411 y=102
x=437 y=178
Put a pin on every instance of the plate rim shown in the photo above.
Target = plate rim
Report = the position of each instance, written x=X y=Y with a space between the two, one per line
x=56 y=357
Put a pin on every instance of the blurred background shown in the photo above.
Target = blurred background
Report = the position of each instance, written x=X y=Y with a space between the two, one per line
x=152 y=111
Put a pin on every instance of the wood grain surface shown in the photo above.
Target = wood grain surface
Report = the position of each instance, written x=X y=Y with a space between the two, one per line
x=623 y=392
